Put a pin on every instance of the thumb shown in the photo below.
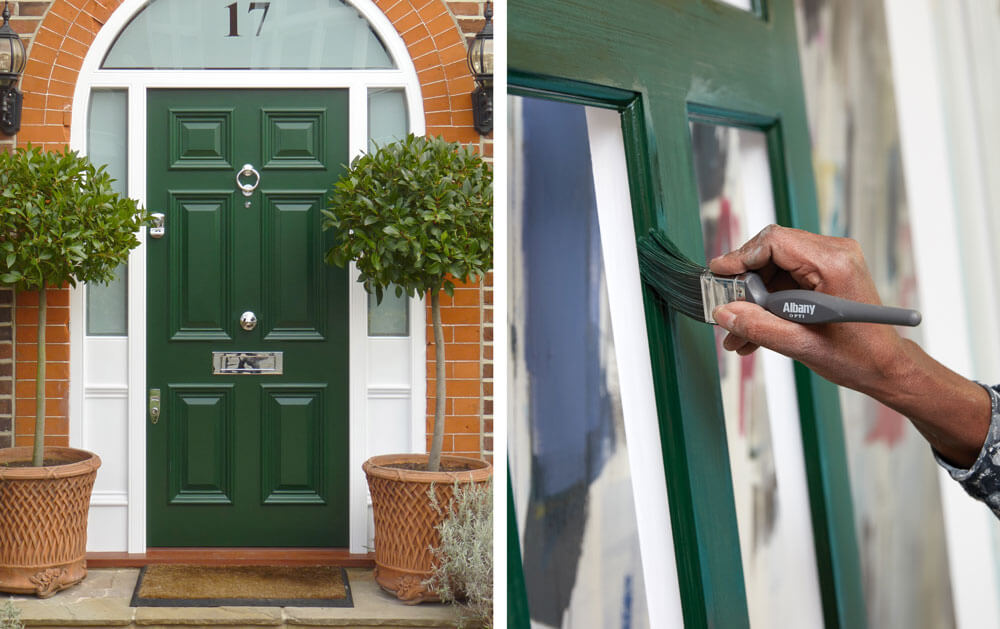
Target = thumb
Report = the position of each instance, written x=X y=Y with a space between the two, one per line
x=758 y=326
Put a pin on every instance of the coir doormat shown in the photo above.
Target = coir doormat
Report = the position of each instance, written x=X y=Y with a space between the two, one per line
x=176 y=585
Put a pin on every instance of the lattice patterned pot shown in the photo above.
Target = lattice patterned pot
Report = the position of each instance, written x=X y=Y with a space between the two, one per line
x=43 y=520
x=405 y=521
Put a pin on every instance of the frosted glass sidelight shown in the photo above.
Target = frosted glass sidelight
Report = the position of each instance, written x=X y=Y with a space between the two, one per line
x=391 y=317
x=107 y=304
x=276 y=34
x=386 y=116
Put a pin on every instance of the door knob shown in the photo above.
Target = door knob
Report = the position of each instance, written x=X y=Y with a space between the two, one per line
x=248 y=320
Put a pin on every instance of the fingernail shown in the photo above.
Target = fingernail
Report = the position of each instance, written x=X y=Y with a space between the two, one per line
x=724 y=318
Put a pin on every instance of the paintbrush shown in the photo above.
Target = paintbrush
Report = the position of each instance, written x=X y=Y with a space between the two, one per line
x=695 y=291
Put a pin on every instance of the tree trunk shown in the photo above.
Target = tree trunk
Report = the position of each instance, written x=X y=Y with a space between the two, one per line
x=37 y=456
x=434 y=461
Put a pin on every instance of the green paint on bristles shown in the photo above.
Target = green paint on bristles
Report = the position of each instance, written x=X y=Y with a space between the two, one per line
x=674 y=277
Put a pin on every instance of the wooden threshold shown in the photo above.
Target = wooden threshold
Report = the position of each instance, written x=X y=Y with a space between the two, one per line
x=234 y=557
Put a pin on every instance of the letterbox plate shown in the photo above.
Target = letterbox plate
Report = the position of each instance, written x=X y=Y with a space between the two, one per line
x=247 y=363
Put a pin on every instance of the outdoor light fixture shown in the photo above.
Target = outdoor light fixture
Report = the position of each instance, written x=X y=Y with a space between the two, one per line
x=12 y=60
x=481 y=65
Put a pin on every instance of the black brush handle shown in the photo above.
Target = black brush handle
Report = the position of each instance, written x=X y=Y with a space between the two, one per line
x=806 y=306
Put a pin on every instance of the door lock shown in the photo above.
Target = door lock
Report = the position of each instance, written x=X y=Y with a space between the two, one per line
x=157 y=230
x=154 y=405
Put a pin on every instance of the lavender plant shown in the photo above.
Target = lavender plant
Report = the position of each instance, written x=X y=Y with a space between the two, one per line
x=463 y=566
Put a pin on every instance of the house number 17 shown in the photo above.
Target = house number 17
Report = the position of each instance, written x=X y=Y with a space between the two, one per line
x=234 y=30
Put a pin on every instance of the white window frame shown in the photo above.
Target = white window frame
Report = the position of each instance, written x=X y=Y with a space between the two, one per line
x=137 y=83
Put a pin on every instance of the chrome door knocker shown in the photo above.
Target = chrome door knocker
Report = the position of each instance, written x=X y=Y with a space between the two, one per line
x=248 y=188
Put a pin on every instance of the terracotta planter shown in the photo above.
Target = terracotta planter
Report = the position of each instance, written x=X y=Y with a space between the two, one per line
x=43 y=520
x=405 y=521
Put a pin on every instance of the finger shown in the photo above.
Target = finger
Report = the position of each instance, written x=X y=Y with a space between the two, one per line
x=747 y=349
x=733 y=343
x=754 y=254
x=776 y=247
x=759 y=327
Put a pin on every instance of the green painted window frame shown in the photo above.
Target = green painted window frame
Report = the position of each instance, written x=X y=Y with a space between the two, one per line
x=661 y=65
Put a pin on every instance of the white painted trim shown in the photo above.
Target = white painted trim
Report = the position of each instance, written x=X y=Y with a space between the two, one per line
x=107 y=392
x=358 y=356
x=109 y=499
x=389 y=393
x=929 y=192
x=635 y=372
x=77 y=307
x=137 y=82
x=418 y=367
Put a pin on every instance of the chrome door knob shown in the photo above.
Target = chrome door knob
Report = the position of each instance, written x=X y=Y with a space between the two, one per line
x=248 y=321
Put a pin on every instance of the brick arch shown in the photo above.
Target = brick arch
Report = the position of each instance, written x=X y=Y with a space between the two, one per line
x=430 y=33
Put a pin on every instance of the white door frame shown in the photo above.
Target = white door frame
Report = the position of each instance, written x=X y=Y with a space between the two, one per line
x=136 y=83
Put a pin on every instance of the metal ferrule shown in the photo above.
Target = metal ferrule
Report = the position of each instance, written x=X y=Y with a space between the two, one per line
x=716 y=291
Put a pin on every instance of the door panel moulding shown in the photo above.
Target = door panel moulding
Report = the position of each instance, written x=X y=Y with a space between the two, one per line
x=136 y=83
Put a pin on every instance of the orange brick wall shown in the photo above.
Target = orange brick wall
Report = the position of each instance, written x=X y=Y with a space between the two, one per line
x=6 y=367
x=58 y=34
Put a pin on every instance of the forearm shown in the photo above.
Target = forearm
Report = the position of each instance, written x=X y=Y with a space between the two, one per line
x=950 y=411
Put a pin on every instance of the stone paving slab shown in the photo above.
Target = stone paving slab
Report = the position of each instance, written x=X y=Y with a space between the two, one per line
x=102 y=600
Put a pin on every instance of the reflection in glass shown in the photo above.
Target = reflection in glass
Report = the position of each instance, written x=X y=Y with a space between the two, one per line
x=107 y=304
x=569 y=460
x=759 y=400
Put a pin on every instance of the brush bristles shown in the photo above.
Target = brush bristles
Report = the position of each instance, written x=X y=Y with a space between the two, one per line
x=671 y=275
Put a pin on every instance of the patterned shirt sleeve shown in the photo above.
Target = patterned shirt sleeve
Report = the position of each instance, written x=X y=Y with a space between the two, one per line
x=982 y=480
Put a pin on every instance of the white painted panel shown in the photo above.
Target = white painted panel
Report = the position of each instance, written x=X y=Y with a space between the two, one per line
x=106 y=434
x=106 y=360
x=107 y=528
x=389 y=361
x=635 y=373
x=388 y=425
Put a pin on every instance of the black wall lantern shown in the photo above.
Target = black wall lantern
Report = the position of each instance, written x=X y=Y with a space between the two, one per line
x=12 y=60
x=481 y=65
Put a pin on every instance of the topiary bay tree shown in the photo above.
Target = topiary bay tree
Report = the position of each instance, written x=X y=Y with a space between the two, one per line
x=416 y=215
x=60 y=223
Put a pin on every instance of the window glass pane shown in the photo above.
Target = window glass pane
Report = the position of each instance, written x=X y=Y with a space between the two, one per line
x=759 y=399
x=391 y=317
x=386 y=116
x=107 y=137
x=107 y=304
x=746 y=5
x=279 y=34
x=570 y=465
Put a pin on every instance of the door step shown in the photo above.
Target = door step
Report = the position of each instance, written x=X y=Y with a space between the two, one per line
x=104 y=596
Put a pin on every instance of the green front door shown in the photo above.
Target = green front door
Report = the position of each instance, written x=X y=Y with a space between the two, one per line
x=250 y=447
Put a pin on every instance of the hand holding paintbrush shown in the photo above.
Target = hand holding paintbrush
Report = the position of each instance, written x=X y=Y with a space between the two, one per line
x=952 y=412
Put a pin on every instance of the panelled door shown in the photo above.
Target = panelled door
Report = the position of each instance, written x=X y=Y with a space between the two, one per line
x=247 y=348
